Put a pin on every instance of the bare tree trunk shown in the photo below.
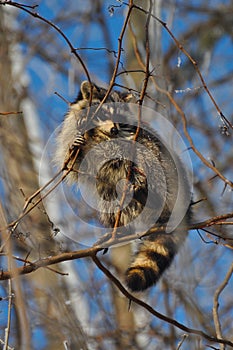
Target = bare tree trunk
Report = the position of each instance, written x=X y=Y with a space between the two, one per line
x=123 y=315
x=33 y=234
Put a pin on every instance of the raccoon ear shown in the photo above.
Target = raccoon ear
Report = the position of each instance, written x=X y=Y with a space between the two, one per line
x=86 y=89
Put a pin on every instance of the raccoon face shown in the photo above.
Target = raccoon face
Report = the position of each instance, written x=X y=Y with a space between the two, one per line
x=103 y=130
x=108 y=128
x=100 y=121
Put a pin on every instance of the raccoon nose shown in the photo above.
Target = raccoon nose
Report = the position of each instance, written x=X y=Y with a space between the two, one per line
x=114 y=131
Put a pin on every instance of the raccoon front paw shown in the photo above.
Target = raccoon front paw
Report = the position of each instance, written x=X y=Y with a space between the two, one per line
x=79 y=141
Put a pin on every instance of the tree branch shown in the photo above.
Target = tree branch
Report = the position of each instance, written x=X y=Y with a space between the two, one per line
x=157 y=314
x=216 y=304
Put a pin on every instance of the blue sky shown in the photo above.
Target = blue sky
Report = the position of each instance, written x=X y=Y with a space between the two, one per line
x=44 y=80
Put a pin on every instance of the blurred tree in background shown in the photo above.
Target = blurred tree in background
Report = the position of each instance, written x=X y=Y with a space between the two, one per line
x=184 y=50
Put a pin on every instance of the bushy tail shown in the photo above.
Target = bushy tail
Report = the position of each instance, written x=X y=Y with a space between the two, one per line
x=154 y=256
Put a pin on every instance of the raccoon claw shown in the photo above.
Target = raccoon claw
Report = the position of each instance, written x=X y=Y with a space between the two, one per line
x=79 y=141
x=105 y=251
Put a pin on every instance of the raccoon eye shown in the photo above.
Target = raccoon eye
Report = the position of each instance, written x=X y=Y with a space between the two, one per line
x=114 y=131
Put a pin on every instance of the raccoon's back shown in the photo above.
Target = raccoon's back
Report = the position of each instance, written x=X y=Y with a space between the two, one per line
x=141 y=178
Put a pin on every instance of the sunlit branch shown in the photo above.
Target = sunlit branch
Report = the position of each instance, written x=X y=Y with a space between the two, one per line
x=146 y=306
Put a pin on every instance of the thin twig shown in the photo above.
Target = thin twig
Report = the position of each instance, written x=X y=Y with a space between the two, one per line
x=217 y=293
x=169 y=320
x=26 y=210
x=179 y=110
x=52 y=260
x=25 y=8
x=8 y=348
x=119 y=51
x=194 y=63
x=185 y=336
x=33 y=266
x=7 y=113
x=19 y=303
x=189 y=138
x=7 y=330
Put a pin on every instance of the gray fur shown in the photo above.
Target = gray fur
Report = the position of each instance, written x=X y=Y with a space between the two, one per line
x=108 y=156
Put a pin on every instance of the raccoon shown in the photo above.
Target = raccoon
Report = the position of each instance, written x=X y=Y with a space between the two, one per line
x=110 y=165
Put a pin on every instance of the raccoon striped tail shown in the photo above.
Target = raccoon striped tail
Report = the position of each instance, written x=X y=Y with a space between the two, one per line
x=152 y=259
